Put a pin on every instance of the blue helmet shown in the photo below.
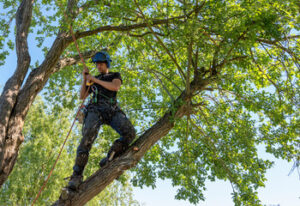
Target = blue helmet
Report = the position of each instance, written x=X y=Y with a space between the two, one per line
x=102 y=57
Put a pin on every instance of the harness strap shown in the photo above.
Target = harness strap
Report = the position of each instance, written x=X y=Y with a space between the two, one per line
x=111 y=100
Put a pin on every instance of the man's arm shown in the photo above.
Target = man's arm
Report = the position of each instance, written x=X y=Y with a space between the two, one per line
x=113 y=86
x=83 y=89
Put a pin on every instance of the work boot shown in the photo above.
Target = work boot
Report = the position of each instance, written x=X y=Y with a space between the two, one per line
x=103 y=162
x=74 y=182
x=116 y=150
x=108 y=158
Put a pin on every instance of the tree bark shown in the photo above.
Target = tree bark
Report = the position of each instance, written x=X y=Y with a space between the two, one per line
x=104 y=176
x=15 y=102
x=11 y=89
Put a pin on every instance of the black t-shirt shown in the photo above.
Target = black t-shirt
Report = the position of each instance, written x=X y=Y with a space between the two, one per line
x=100 y=93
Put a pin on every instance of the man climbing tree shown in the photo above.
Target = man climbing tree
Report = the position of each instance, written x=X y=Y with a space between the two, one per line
x=220 y=80
x=102 y=109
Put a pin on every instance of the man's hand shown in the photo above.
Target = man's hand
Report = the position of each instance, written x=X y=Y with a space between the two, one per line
x=90 y=78
x=85 y=72
x=83 y=90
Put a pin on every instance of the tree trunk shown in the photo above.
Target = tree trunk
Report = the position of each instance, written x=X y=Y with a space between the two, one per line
x=15 y=102
x=10 y=139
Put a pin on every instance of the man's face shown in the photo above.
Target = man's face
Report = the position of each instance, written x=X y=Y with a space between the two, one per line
x=102 y=67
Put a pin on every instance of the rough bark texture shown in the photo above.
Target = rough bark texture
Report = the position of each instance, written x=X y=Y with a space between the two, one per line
x=9 y=95
x=15 y=102
x=104 y=176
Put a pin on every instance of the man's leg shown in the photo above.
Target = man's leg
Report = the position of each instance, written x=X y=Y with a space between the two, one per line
x=90 y=130
x=123 y=126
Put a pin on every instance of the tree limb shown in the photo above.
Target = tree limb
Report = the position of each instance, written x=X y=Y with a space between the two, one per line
x=144 y=34
x=161 y=43
x=122 y=27
x=104 y=176
x=68 y=61
x=275 y=43
x=13 y=85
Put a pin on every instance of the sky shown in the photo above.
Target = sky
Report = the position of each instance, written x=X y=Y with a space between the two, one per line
x=280 y=189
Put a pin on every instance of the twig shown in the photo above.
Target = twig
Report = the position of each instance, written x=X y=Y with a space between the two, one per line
x=160 y=41
x=158 y=56
x=211 y=145
x=267 y=76
x=144 y=34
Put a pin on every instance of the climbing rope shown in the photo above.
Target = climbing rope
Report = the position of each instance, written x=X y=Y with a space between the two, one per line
x=69 y=132
x=58 y=156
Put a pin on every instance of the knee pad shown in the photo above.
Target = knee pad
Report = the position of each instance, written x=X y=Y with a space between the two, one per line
x=80 y=162
x=82 y=158
x=77 y=170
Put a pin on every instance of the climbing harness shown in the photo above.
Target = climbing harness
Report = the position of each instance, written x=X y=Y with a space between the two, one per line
x=95 y=91
x=106 y=99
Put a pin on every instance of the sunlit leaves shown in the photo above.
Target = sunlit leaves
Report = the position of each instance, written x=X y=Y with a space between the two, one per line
x=254 y=100
x=44 y=133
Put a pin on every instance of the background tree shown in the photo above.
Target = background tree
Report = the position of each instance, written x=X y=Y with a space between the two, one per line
x=43 y=130
x=215 y=79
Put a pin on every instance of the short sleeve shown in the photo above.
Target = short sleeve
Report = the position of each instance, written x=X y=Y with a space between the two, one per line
x=118 y=76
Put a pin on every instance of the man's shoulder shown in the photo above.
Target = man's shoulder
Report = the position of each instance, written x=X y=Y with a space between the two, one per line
x=109 y=76
x=115 y=75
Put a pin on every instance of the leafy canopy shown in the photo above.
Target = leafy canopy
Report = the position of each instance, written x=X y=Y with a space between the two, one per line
x=252 y=45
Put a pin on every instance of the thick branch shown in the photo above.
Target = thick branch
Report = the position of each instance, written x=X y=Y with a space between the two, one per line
x=13 y=85
x=11 y=131
x=275 y=43
x=69 y=61
x=124 y=28
x=104 y=176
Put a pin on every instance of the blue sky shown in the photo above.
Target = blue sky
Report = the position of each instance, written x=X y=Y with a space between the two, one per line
x=280 y=189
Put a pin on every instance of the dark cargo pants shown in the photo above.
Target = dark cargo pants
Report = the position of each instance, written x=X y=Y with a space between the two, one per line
x=96 y=116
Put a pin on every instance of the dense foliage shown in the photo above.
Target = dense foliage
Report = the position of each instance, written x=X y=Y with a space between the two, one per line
x=44 y=134
x=253 y=46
